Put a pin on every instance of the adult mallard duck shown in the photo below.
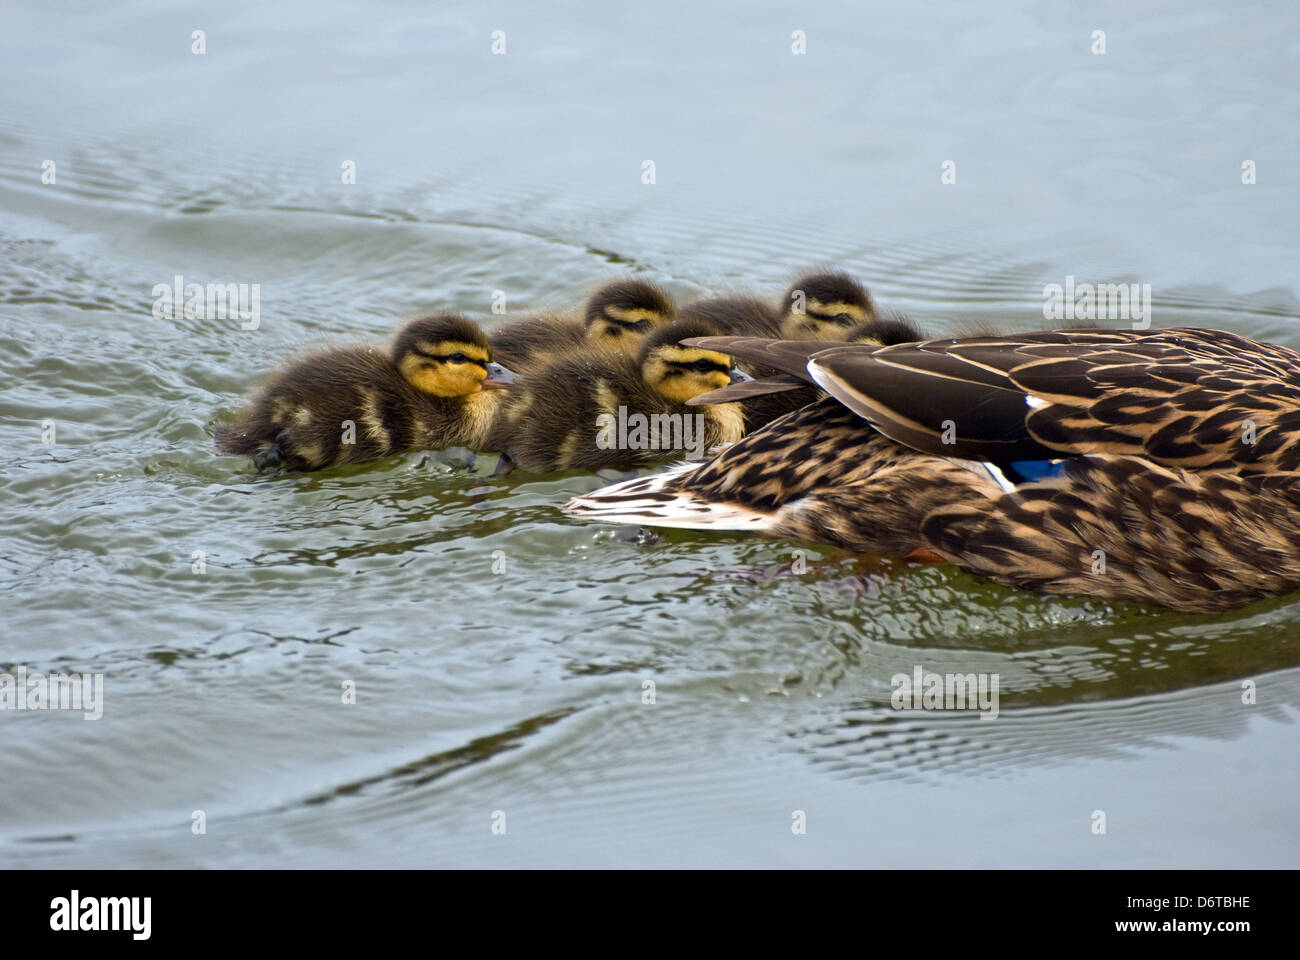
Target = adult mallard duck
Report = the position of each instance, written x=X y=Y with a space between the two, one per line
x=1156 y=466
x=434 y=388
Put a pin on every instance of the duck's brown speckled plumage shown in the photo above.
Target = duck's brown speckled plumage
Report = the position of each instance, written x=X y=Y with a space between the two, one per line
x=1160 y=497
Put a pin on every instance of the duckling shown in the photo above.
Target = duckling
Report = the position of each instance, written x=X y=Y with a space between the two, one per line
x=824 y=305
x=619 y=315
x=435 y=388
x=606 y=408
x=886 y=329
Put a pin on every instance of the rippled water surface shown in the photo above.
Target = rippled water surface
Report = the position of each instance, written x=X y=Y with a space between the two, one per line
x=499 y=650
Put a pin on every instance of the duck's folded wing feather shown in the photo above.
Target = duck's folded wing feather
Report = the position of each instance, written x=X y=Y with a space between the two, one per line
x=749 y=388
x=1191 y=399
x=936 y=402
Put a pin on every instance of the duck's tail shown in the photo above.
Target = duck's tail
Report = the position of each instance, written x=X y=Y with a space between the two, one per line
x=665 y=500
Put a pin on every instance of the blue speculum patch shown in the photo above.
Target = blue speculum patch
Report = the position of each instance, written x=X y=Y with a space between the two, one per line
x=1030 y=470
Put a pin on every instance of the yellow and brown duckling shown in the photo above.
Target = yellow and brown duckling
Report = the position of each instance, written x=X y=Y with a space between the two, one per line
x=433 y=389
x=824 y=305
x=1157 y=466
x=606 y=408
x=821 y=305
x=885 y=329
x=619 y=315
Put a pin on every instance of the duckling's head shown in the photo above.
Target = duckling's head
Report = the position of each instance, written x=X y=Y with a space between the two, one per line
x=621 y=314
x=885 y=331
x=679 y=373
x=825 y=305
x=448 y=356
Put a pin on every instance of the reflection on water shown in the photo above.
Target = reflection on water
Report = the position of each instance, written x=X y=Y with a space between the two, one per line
x=524 y=689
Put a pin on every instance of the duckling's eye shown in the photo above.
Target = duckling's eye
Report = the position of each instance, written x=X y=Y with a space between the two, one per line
x=703 y=366
x=458 y=358
x=843 y=319
x=641 y=326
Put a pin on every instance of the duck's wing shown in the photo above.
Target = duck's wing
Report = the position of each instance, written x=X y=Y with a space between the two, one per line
x=750 y=388
x=1185 y=398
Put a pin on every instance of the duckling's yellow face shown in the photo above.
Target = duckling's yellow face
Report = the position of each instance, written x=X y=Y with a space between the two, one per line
x=823 y=321
x=623 y=328
x=446 y=368
x=679 y=373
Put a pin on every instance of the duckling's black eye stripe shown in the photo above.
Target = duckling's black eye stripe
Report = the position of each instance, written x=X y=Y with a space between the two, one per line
x=444 y=357
x=690 y=365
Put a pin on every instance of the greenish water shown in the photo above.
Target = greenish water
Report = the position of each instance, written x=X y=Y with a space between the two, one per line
x=500 y=650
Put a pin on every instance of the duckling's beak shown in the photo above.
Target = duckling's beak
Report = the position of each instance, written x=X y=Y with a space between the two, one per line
x=740 y=376
x=499 y=377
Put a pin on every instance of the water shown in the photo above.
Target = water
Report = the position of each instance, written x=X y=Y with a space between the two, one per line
x=521 y=690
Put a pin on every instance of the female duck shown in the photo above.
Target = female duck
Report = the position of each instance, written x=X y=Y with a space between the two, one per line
x=1171 y=455
x=433 y=389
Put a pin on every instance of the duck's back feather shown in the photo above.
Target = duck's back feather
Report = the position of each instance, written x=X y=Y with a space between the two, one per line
x=1185 y=398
